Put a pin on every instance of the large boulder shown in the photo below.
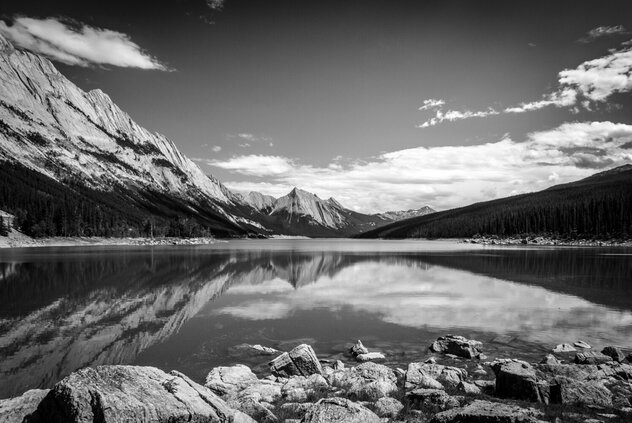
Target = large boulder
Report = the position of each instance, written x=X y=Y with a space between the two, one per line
x=487 y=412
x=368 y=381
x=517 y=380
x=358 y=348
x=112 y=394
x=591 y=357
x=431 y=400
x=580 y=393
x=303 y=389
x=564 y=348
x=457 y=345
x=615 y=353
x=300 y=361
x=419 y=375
x=226 y=380
x=387 y=407
x=331 y=410
x=13 y=410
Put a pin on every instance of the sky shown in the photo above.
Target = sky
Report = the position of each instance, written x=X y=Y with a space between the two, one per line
x=381 y=104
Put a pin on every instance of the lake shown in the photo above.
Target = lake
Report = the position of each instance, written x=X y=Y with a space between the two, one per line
x=190 y=307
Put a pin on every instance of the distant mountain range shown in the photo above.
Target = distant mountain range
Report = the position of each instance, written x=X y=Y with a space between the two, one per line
x=598 y=206
x=74 y=164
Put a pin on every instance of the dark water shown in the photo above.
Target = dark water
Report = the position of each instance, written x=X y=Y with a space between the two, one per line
x=186 y=308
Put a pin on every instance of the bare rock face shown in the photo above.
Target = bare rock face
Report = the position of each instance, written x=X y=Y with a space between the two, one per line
x=515 y=379
x=419 y=375
x=589 y=357
x=300 y=361
x=487 y=412
x=112 y=394
x=331 y=410
x=14 y=410
x=457 y=345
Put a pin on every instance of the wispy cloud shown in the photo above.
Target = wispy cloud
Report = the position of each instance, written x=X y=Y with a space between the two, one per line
x=602 y=31
x=593 y=81
x=77 y=44
x=216 y=148
x=444 y=177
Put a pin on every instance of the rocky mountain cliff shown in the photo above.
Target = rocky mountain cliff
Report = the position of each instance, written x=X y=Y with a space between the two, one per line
x=303 y=213
x=50 y=126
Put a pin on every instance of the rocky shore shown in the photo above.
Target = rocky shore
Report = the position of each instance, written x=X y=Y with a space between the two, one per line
x=546 y=240
x=18 y=240
x=452 y=383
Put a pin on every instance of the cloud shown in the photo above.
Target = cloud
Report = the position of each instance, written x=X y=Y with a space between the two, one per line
x=432 y=103
x=255 y=165
x=216 y=148
x=251 y=138
x=602 y=31
x=593 y=81
x=77 y=44
x=447 y=176
x=453 y=115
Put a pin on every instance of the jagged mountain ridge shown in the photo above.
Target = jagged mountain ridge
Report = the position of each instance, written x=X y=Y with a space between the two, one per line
x=303 y=213
x=52 y=127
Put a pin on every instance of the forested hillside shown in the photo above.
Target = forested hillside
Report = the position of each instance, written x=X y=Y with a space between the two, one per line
x=596 y=207
x=45 y=207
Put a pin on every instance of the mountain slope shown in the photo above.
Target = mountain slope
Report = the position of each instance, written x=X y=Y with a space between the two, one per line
x=597 y=206
x=86 y=147
x=303 y=213
x=406 y=214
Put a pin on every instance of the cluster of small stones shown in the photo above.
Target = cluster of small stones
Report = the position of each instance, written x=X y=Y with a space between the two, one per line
x=542 y=240
x=593 y=388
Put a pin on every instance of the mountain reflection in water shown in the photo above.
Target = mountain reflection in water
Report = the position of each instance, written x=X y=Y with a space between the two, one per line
x=185 y=307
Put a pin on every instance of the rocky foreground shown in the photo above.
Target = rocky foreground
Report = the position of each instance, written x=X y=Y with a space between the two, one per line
x=594 y=387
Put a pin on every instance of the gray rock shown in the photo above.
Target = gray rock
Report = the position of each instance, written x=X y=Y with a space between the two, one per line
x=515 y=379
x=368 y=381
x=302 y=389
x=615 y=353
x=457 y=345
x=582 y=344
x=550 y=359
x=418 y=372
x=330 y=410
x=431 y=400
x=338 y=365
x=357 y=349
x=580 y=393
x=487 y=412
x=388 y=407
x=110 y=394
x=252 y=350
x=590 y=357
x=372 y=356
x=13 y=410
x=469 y=388
x=300 y=361
x=562 y=348
x=230 y=379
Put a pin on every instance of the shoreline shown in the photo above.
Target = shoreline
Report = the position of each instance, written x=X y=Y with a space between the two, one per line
x=544 y=241
x=23 y=241
x=453 y=382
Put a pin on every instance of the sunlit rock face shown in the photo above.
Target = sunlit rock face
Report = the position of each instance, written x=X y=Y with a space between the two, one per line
x=51 y=126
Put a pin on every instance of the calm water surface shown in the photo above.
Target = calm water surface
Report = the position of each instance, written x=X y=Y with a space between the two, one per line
x=186 y=308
